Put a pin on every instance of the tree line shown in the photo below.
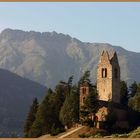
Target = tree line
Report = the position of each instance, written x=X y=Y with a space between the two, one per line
x=60 y=107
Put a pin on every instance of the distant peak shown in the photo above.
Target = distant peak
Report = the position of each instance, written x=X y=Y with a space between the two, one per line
x=10 y=30
x=6 y=30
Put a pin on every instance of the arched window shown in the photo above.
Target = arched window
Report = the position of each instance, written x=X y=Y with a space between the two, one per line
x=116 y=73
x=84 y=90
x=104 y=72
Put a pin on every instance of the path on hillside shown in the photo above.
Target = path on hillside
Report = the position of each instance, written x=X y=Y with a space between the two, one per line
x=69 y=133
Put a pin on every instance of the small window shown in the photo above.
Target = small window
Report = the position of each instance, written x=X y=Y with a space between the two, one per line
x=104 y=72
x=84 y=90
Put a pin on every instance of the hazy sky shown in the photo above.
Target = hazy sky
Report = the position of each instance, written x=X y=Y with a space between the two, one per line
x=108 y=22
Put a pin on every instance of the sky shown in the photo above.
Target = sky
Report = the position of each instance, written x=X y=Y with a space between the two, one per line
x=116 y=23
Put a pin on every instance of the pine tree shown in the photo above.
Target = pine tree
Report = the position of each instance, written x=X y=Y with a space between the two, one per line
x=84 y=78
x=74 y=97
x=43 y=121
x=59 y=97
x=133 y=88
x=31 y=117
x=64 y=113
x=91 y=101
x=69 y=113
x=47 y=118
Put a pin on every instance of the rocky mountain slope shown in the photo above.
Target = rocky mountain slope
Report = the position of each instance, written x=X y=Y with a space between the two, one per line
x=49 y=57
x=16 y=96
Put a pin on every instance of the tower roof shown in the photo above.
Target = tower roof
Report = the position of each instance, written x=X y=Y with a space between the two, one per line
x=104 y=56
x=108 y=55
x=105 y=53
x=114 y=57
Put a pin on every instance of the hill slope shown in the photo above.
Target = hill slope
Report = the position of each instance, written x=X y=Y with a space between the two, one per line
x=16 y=95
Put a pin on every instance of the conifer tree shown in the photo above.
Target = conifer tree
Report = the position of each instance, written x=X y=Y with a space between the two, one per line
x=59 y=97
x=47 y=117
x=69 y=113
x=74 y=98
x=31 y=117
x=91 y=101
x=84 y=78
x=133 y=88
x=65 y=113
x=43 y=121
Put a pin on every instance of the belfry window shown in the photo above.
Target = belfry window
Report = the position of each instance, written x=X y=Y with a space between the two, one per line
x=84 y=91
x=116 y=73
x=104 y=72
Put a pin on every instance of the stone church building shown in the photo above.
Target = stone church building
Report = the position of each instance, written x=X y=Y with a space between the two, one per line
x=108 y=88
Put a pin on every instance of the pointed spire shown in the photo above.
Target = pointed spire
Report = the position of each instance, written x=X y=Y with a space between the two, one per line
x=115 y=55
x=114 y=58
x=103 y=52
x=104 y=56
x=106 y=53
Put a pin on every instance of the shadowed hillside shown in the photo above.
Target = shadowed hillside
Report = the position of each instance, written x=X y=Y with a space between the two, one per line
x=16 y=95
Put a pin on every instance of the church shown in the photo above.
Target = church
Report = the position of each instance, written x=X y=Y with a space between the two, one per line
x=108 y=89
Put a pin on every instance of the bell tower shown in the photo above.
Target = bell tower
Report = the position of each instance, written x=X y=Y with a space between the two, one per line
x=108 y=77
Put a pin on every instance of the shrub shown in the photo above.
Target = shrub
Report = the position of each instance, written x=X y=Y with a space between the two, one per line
x=56 y=131
x=135 y=133
x=115 y=135
x=98 y=135
x=83 y=135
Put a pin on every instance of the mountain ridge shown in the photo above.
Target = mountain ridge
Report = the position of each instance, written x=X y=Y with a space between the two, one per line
x=7 y=30
x=45 y=56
